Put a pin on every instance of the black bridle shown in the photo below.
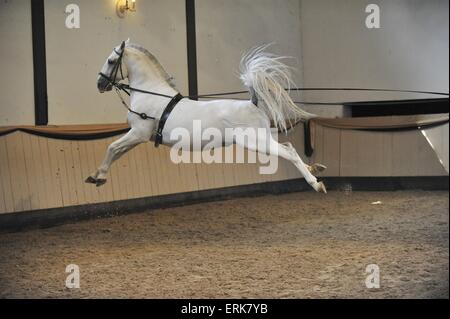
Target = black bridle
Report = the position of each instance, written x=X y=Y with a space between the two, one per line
x=117 y=66
x=127 y=89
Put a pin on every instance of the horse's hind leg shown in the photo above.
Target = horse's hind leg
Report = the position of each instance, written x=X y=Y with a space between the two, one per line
x=314 y=168
x=287 y=152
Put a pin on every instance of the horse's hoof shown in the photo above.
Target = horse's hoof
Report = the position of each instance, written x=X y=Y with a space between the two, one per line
x=320 y=187
x=317 y=168
x=100 y=181
x=90 y=180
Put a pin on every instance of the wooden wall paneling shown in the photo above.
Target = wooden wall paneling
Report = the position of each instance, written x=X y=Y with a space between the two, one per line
x=51 y=174
x=143 y=169
x=92 y=165
x=37 y=172
x=256 y=176
x=404 y=162
x=365 y=153
x=72 y=180
x=57 y=158
x=240 y=173
x=2 y=195
x=123 y=163
x=19 y=183
x=78 y=177
x=317 y=144
x=133 y=158
x=331 y=151
x=216 y=174
x=141 y=166
x=85 y=170
x=158 y=159
x=173 y=181
x=202 y=173
x=206 y=173
x=6 y=204
x=229 y=178
x=113 y=174
x=149 y=161
x=246 y=175
x=33 y=175
x=188 y=176
x=44 y=184
x=155 y=160
x=106 y=189
x=174 y=176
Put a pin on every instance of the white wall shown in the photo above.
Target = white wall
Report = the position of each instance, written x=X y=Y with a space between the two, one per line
x=409 y=51
x=328 y=38
x=228 y=28
x=75 y=56
x=16 y=64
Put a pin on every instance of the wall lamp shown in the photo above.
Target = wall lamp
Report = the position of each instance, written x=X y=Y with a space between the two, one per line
x=122 y=6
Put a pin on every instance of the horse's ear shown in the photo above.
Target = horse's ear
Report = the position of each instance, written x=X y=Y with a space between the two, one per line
x=122 y=45
x=128 y=41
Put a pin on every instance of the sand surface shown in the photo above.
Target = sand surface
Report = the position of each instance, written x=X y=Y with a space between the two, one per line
x=299 y=245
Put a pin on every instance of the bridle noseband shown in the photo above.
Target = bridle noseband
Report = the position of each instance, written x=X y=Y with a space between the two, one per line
x=117 y=66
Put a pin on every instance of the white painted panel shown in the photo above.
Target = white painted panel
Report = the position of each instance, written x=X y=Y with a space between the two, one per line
x=75 y=56
x=228 y=28
x=16 y=64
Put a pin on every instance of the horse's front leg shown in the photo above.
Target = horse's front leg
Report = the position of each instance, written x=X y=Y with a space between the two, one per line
x=114 y=152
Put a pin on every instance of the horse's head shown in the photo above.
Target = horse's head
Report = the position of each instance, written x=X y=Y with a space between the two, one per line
x=113 y=70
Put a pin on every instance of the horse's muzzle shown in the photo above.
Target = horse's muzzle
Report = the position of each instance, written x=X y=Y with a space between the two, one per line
x=103 y=85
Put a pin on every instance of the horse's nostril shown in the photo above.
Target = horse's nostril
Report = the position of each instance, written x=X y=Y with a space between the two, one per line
x=102 y=85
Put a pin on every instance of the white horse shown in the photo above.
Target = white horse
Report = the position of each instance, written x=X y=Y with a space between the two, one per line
x=262 y=73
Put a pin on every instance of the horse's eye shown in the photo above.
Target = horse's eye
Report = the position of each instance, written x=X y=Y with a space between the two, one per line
x=110 y=61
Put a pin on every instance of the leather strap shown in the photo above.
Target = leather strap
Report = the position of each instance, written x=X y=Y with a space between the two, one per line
x=165 y=115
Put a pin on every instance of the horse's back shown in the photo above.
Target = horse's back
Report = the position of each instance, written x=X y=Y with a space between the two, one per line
x=196 y=116
x=219 y=113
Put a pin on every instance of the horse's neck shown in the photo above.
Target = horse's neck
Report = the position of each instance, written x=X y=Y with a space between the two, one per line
x=143 y=75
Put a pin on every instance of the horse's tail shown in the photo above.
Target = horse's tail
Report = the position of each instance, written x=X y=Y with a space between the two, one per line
x=267 y=77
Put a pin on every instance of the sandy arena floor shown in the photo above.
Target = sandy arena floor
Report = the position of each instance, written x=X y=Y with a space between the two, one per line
x=300 y=245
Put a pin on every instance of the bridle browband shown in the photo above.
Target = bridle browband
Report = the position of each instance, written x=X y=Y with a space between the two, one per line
x=128 y=89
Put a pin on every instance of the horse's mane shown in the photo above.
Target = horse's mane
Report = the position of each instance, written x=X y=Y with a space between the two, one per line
x=169 y=79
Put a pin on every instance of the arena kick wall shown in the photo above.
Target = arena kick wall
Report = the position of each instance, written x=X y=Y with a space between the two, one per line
x=40 y=173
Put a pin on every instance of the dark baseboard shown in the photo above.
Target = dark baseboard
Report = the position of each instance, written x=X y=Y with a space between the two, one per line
x=57 y=216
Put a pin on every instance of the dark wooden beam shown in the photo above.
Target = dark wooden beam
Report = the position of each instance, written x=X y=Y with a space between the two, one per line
x=39 y=62
x=398 y=107
x=191 y=47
